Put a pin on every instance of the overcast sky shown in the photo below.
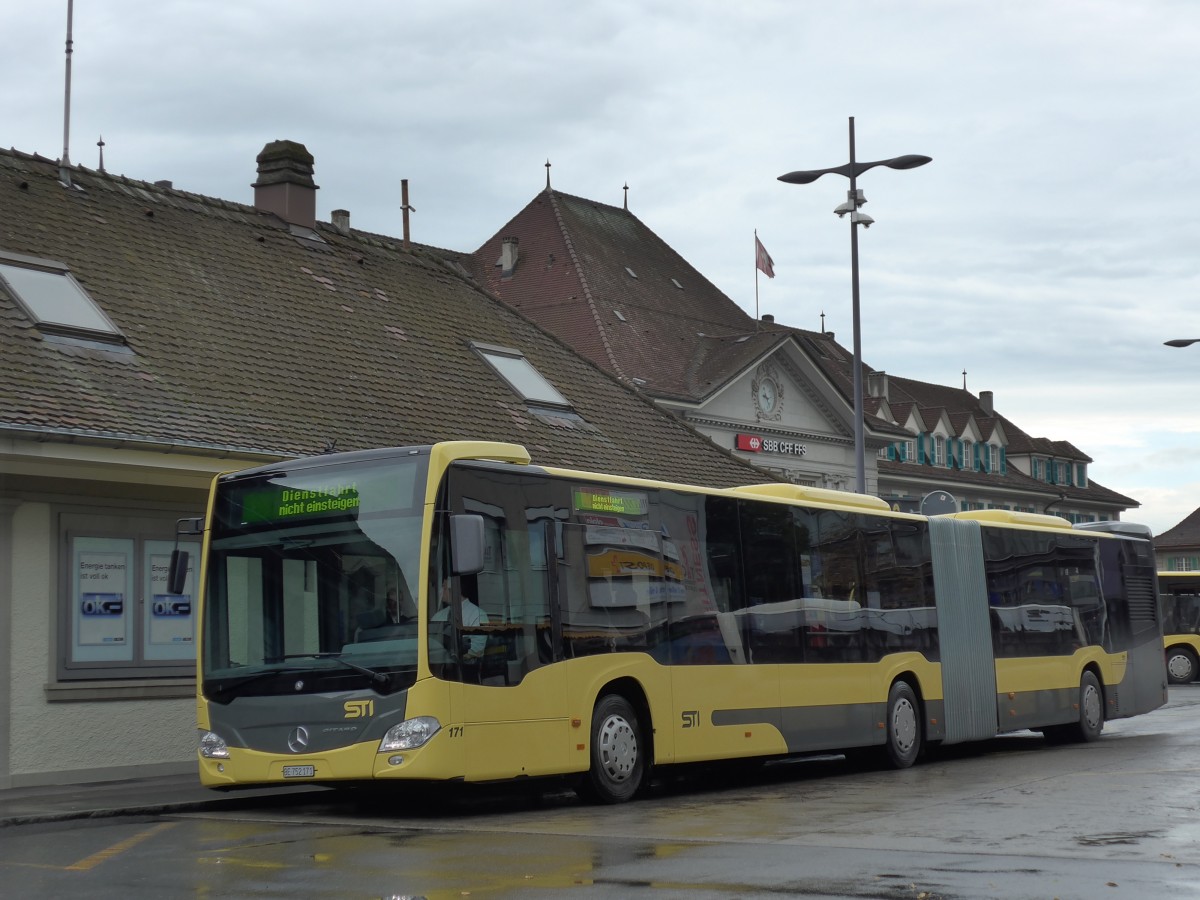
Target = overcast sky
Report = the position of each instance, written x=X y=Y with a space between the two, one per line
x=1049 y=249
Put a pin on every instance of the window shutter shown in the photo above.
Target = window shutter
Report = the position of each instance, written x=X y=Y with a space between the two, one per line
x=1051 y=472
x=921 y=452
x=1003 y=462
x=891 y=451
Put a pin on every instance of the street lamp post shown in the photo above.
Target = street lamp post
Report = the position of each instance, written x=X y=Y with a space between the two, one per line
x=854 y=200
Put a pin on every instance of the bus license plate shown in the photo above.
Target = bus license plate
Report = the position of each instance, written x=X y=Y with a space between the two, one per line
x=299 y=771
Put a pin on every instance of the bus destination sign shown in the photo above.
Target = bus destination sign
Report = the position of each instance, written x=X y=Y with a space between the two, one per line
x=622 y=503
x=276 y=503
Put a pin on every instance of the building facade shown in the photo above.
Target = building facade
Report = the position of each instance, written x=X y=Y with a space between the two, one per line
x=599 y=279
x=1178 y=548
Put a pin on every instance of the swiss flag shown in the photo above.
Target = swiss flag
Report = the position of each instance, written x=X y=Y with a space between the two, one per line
x=762 y=259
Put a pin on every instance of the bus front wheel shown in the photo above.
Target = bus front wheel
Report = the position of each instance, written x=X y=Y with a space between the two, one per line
x=1181 y=665
x=903 y=726
x=618 y=761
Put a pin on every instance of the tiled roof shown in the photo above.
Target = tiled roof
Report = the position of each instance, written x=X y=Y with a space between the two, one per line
x=1185 y=535
x=962 y=407
x=245 y=338
x=603 y=282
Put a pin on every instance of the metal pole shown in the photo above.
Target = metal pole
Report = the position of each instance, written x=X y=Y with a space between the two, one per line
x=860 y=473
x=64 y=165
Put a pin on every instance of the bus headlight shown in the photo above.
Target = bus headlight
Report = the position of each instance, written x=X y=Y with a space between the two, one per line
x=212 y=746
x=410 y=734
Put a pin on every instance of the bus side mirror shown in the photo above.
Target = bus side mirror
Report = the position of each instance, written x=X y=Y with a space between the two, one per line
x=466 y=543
x=177 y=573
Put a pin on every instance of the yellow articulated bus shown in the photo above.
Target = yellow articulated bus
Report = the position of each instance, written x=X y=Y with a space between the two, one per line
x=1179 y=599
x=456 y=613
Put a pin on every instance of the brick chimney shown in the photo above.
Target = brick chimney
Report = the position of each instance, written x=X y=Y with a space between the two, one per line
x=285 y=185
x=985 y=401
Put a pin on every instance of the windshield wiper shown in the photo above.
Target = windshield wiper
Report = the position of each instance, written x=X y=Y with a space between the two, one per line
x=229 y=686
x=376 y=677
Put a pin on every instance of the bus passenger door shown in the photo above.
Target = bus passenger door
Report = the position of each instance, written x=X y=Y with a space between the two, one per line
x=513 y=701
x=723 y=657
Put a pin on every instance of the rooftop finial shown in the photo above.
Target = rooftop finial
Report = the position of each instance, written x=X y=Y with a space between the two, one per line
x=822 y=321
x=100 y=144
x=626 y=190
x=547 y=173
x=964 y=379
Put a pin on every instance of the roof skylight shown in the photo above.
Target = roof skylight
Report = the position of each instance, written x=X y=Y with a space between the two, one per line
x=54 y=300
x=520 y=375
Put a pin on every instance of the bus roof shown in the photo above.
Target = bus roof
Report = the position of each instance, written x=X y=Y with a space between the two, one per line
x=802 y=494
x=1012 y=517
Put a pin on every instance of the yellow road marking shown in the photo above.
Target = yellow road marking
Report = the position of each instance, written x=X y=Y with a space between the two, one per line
x=108 y=853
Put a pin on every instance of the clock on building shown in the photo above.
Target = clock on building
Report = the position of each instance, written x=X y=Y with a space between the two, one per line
x=768 y=395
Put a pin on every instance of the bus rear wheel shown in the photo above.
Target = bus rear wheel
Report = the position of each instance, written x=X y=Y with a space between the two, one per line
x=1181 y=665
x=903 y=726
x=1091 y=715
x=618 y=762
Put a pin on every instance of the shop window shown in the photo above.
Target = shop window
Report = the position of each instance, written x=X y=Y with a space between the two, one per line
x=118 y=619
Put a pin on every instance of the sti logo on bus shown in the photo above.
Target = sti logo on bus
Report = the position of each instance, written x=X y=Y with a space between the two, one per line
x=359 y=709
x=691 y=718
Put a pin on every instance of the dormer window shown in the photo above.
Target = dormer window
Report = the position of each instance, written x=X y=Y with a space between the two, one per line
x=54 y=300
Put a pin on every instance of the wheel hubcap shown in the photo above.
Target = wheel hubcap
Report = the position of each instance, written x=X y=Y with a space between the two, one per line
x=904 y=726
x=1091 y=706
x=618 y=748
x=1180 y=667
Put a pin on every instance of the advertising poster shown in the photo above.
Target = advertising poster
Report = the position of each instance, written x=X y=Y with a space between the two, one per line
x=169 y=620
x=103 y=580
x=170 y=614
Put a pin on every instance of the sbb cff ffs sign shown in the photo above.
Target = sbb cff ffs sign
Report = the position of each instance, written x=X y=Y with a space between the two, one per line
x=754 y=443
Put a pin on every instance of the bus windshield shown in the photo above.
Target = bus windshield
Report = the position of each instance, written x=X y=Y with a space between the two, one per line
x=313 y=579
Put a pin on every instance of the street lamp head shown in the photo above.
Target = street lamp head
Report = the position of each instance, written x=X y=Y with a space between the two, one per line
x=853 y=170
x=911 y=161
x=1181 y=342
x=804 y=176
